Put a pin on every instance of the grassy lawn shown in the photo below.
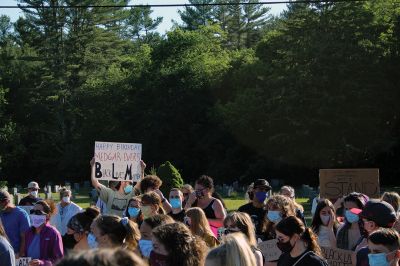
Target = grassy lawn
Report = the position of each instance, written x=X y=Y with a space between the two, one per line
x=232 y=203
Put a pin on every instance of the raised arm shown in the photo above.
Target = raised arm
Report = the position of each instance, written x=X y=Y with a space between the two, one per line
x=95 y=182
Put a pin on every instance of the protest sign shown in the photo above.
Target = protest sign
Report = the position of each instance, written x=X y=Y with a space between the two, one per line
x=337 y=257
x=335 y=183
x=22 y=261
x=270 y=250
x=117 y=161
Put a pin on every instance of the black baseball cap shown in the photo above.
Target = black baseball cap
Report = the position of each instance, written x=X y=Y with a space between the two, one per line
x=261 y=183
x=380 y=212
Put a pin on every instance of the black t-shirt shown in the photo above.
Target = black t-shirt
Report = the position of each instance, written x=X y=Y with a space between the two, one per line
x=257 y=215
x=310 y=259
x=362 y=257
x=28 y=201
x=179 y=217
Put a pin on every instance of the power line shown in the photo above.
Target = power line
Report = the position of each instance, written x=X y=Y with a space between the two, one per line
x=184 y=5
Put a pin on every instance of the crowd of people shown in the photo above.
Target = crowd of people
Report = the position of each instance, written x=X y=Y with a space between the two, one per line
x=135 y=224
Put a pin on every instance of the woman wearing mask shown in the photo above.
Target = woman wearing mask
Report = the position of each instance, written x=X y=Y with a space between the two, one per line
x=64 y=211
x=174 y=245
x=133 y=211
x=289 y=192
x=79 y=228
x=211 y=206
x=278 y=208
x=241 y=222
x=186 y=191
x=325 y=224
x=151 y=205
x=198 y=224
x=43 y=243
x=111 y=231
x=146 y=231
x=298 y=244
x=351 y=233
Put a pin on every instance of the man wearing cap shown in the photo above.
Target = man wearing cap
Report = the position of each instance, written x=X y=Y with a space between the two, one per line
x=15 y=221
x=375 y=215
x=33 y=195
x=255 y=208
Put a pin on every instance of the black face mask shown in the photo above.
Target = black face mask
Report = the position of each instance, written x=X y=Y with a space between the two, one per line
x=251 y=195
x=285 y=247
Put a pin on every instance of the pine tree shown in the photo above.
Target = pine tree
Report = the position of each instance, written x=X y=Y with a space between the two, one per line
x=195 y=16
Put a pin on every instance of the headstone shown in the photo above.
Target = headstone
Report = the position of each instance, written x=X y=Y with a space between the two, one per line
x=15 y=191
x=76 y=186
x=86 y=184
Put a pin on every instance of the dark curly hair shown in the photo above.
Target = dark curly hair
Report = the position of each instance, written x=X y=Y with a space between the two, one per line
x=150 y=181
x=206 y=182
x=187 y=250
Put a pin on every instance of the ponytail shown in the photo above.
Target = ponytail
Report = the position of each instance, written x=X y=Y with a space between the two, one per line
x=311 y=240
x=132 y=234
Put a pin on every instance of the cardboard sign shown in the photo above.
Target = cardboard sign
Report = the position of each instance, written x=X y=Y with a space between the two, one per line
x=269 y=249
x=22 y=261
x=117 y=161
x=338 y=257
x=335 y=183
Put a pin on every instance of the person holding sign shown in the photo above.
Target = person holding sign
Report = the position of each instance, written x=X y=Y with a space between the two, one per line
x=15 y=221
x=43 y=243
x=298 y=244
x=116 y=201
x=211 y=206
x=325 y=224
x=7 y=256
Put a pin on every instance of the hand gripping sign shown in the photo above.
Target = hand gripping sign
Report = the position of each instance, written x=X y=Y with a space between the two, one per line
x=117 y=161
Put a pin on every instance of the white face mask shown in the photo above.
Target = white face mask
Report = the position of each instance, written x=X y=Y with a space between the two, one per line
x=325 y=219
x=37 y=220
x=34 y=193
x=66 y=199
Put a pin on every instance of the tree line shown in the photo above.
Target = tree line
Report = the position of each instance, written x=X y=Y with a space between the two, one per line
x=232 y=91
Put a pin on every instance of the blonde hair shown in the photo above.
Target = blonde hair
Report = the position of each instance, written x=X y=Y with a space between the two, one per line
x=243 y=221
x=188 y=187
x=292 y=197
x=235 y=251
x=393 y=199
x=199 y=224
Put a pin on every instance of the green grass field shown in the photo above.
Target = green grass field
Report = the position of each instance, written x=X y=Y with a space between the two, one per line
x=232 y=203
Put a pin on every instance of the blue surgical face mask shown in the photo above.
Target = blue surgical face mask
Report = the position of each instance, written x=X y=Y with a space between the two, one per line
x=351 y=217
x=92 y=242
x=378 y=259
x=261 y=196
x=274 y=216
x=175 y=203
x=128 y=189
x=133 y=212
x=146 y=246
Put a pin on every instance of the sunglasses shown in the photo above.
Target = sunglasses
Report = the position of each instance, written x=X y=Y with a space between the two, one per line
x=37 y=212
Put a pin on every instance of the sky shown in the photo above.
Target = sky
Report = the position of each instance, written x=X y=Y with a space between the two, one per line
x=168 y=13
